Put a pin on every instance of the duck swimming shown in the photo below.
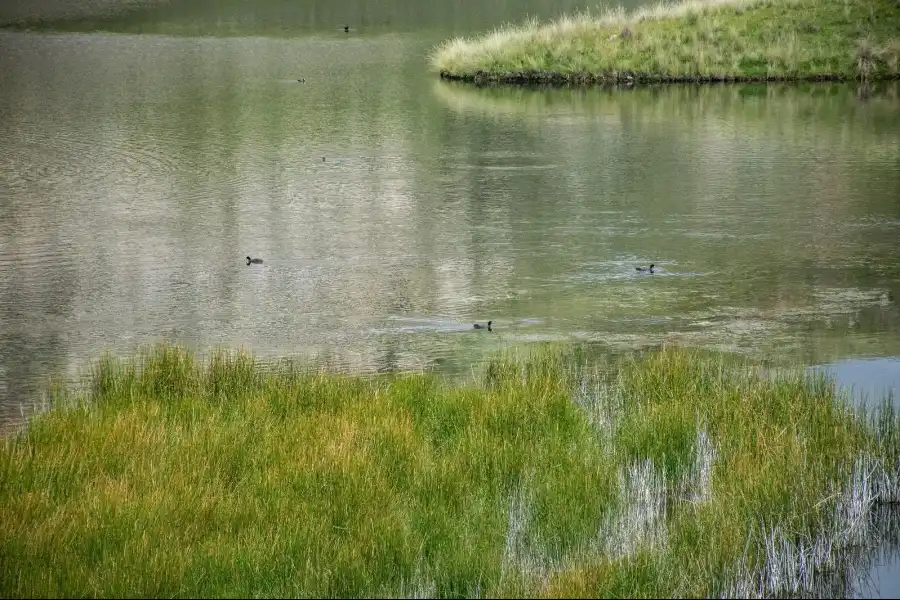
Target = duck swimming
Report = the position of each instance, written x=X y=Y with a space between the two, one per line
x=477 y=326
x=255 y=261
x=642 y=269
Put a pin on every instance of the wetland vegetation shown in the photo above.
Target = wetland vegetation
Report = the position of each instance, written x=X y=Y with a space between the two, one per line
x=667 y=473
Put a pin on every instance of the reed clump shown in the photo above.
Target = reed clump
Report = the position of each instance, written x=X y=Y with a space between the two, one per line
x=667 y=473
x=695 y=40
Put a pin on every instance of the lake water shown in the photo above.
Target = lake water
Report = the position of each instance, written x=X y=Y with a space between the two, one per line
x=393 y=210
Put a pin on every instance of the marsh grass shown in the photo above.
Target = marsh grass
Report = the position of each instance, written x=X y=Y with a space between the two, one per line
x=721 y=40
x=667 y=473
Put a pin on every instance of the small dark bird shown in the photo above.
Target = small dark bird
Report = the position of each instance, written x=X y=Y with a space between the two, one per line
x=346 y=29
x=255 y=261
x=650 y=270
x=301 y=81
x=477 y=326
x=323 y=159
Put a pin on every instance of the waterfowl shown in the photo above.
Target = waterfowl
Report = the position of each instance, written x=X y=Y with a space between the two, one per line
x=255 y=261
x=649 y=270
x=301 y=81
x=477 y=326
x=346 y=29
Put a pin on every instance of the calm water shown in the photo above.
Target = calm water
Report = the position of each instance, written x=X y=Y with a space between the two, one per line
x=137 y=172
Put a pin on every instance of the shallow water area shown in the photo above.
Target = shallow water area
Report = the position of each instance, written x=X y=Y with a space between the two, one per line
x=867 y=380
x=875 y=572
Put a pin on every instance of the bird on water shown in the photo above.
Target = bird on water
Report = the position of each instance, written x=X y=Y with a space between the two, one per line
x=254 y=261
x=488 y=327
x=642 y=269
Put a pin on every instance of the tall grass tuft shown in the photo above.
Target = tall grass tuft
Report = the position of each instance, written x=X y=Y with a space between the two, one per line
x=666 y=473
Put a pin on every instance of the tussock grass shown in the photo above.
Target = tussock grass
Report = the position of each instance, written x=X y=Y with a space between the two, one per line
x=668 y=473
x=696 y=40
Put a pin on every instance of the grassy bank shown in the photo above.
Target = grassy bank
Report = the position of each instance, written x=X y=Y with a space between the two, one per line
x=711 y=40
x=665 y=474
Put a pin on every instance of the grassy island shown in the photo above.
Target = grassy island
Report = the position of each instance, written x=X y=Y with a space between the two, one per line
x=668 y=473
x=695 y=41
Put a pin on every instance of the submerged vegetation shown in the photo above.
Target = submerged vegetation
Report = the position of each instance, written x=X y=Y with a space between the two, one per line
x=696 y=40
x=671 y=473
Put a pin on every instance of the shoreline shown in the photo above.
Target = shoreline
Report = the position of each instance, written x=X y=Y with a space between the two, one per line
x=629 y=79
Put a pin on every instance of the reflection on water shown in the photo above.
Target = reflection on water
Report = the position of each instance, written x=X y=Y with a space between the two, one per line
x=138 y=172
x=871 y=570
